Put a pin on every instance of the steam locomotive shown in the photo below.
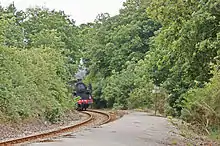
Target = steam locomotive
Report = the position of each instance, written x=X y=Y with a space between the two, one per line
x=85 y=95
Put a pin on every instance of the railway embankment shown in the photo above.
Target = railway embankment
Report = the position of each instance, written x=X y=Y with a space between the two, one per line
x=31 y=126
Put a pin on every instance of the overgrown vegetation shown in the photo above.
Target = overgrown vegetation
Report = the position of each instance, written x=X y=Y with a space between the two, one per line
x=30 y=85
x=162 y=55
x=36 y=60
x=173 y=45
x=202 y=106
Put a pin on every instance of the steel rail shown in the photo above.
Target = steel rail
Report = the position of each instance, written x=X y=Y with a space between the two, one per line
x=56 y=132
x=103 y=113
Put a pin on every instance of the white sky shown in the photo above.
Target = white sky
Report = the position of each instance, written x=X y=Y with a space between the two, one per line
x=82 y=11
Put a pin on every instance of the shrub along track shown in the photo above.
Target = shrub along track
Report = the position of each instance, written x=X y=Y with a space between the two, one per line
x=96 y=118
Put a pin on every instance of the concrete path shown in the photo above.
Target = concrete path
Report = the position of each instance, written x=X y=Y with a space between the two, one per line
x=134 y=129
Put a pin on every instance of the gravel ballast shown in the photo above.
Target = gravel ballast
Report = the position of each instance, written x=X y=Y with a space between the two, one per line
x=37 y=126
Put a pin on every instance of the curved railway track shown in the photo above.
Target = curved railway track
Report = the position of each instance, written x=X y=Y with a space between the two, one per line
x=96 y=118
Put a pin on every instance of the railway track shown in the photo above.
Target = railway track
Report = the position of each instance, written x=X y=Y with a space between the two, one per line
x=96 y=118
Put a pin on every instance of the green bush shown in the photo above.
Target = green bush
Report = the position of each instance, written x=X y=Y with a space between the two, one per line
x=202 y=106
x=53 y=115
x=141 y=98
x=118 y=88
x=31 y=83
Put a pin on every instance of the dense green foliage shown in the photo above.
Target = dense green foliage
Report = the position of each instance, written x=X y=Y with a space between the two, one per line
x=187 y=43
x=30 y=83
x=202 y=107
x=112 y=47
x=37 y=58
x=170 y=44
x=160 y=54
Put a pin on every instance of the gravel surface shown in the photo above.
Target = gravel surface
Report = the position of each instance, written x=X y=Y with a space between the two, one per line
x=36 y=126
x=97 y=120
x=134 y=129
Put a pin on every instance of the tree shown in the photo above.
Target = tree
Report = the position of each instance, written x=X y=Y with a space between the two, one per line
x=186 y=43
x=111 y=42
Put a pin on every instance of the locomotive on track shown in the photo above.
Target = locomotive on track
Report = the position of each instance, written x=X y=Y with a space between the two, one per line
x=85 y=95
